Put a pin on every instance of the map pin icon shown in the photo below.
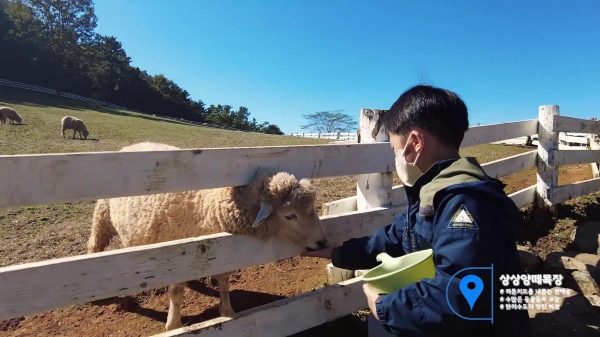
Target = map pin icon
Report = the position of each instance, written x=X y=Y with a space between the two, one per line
x=471 y=295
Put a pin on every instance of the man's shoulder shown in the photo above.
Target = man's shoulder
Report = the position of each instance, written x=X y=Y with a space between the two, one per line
x=466 y=206
x=481 y=194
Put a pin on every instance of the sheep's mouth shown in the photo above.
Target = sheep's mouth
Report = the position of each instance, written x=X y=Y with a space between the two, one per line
x=308 y=249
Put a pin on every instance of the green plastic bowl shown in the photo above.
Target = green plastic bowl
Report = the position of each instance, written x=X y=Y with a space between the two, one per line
x=395 y=273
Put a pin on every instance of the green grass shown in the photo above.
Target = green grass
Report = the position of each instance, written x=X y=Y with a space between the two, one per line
x=110 y=129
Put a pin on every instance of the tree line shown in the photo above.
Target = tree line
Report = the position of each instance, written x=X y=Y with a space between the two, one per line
x=53 y=43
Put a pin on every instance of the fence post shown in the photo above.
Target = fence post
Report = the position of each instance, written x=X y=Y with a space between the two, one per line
x=372 y=190
x=547 y=176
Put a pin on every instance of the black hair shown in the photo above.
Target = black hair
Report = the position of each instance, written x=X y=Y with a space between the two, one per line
x=438 y=111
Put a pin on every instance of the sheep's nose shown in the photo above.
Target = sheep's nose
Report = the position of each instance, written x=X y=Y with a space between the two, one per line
x=321 y=243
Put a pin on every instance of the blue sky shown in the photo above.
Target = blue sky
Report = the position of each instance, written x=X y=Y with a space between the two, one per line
x=285 y=58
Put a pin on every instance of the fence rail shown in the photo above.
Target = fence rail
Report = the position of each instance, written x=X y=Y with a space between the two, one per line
x=330 y=135
x=50 y=178
x=25 y=86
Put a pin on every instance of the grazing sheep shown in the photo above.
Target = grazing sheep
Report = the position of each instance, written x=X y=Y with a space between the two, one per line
x=75 y=124
x=6 y=112
x=271 y=205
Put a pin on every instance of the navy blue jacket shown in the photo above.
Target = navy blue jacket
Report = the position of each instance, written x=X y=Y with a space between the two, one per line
x=421 y=308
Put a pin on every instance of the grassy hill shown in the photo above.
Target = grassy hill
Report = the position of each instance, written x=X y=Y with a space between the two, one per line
x=58 y=230
x=110 y=129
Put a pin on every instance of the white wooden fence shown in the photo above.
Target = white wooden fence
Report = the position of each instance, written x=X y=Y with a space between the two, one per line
x=330 y=135
x=52 y=178
x=102 y=103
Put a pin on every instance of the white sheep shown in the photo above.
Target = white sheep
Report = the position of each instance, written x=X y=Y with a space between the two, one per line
x=6 y=112
x=272 y=205
x=75 y=124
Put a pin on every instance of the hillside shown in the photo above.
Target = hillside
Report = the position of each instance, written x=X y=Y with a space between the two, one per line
x=110 y=129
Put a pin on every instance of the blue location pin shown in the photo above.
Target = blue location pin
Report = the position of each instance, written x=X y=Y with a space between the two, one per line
x=471 y=294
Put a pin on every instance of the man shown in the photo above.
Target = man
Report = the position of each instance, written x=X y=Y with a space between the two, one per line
x=455 y=209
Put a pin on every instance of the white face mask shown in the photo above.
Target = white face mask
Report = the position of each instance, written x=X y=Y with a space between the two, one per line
x=407 y=172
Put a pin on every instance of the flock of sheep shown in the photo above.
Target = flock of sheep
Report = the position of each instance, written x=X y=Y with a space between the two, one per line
x=67 y=122
x=272 y=205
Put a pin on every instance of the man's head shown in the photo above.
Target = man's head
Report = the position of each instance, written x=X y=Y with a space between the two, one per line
x=426 y=124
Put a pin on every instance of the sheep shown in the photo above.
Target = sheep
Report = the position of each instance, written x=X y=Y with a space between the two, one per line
x=6 y=112
x=75 y=124
x=271 y=205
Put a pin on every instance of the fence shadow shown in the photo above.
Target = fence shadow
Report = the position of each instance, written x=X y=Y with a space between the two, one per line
x=350 y=325
x=539 y=223
x=576 y=317
x=241 y=300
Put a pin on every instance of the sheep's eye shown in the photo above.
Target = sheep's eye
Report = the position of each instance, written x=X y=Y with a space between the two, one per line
x=291 y=216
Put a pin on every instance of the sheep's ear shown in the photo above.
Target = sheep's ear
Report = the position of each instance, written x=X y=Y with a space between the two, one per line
x=265 y=210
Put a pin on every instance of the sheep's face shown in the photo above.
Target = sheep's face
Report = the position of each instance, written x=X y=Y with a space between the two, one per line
x=293 y=218
x=85 y=134
x=301 y=225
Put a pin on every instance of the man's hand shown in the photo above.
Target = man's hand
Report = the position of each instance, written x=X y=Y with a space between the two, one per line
x=371 y=298
x=324 y=253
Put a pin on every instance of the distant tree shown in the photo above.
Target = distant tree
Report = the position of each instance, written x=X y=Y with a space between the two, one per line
x=270 y=129
x=329 y=122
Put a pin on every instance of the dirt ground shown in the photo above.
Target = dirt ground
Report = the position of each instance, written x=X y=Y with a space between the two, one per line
x=50 y=231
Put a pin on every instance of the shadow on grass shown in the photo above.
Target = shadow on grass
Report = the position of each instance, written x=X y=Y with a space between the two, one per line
x=38 y=99
x=83 y=140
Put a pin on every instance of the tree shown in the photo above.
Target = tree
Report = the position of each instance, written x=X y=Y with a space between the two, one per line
x=53 y=44
x=329 y=122
x=110 y=64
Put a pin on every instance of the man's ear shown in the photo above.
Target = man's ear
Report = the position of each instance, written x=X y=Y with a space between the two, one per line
x=418 y=139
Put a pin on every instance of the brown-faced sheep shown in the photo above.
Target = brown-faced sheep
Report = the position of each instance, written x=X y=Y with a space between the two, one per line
x=6 y=112
x=271 y=205
x=75 y=124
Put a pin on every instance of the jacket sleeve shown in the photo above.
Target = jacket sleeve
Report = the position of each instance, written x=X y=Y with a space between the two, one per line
x=421 y=308
x=360 y=253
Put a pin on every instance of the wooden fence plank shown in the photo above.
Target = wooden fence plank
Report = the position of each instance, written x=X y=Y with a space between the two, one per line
x=572 y=157
x=484 y=134
x=509 y=165
x=53 y=178
x=575 y=125
x=40 y=286
x=524 y=197
x=575 y=190
x=284 y=317
x=496 y=169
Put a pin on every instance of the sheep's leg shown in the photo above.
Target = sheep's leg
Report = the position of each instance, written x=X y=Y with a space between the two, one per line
x=176 y=298
x=225 y=308
x=74 y=134
x=102 y=227
x=62 y=132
